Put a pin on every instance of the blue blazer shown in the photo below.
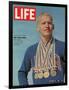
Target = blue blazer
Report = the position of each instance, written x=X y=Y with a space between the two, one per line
x=28 y=63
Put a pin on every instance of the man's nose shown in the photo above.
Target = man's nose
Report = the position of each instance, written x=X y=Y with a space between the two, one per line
x=46 y=24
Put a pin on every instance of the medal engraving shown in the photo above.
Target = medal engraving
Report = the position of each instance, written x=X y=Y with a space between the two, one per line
x=40 y=75
x=46 y=74
x=53 y=73
x=36 y=76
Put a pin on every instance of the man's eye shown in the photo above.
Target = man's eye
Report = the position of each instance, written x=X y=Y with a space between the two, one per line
x=44 y=23
x=49 y=23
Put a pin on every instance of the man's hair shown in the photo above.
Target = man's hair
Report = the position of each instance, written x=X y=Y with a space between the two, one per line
x=41 y=15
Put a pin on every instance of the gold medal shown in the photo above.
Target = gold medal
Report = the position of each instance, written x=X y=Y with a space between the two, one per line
x=46 y=74
x=40 y=75
x=53 y=73
x=36 y=76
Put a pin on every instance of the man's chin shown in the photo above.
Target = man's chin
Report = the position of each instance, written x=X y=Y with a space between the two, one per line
x=47 y=34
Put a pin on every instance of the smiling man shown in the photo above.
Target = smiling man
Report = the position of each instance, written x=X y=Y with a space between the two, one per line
x=44 y=57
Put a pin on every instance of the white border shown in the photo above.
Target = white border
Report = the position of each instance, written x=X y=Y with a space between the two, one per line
x=4 y=50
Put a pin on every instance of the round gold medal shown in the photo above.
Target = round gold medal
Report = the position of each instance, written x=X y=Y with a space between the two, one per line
x=53 y=73
x=40 y=75
x=46 y=74
x=36 y=76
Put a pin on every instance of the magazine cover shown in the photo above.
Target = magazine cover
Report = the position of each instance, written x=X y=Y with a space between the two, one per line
x=37 y=44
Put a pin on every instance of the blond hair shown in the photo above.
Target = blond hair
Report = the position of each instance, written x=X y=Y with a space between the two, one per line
x=41 y=15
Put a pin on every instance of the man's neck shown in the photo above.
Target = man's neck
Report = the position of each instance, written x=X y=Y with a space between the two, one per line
x=46 y=39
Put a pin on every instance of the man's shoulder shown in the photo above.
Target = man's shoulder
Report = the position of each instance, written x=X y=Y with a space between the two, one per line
x=60 y=43
x=59 y=47
x=32 y=47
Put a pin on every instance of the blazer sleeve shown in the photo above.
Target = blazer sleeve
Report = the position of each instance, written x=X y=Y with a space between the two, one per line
x=24 y=69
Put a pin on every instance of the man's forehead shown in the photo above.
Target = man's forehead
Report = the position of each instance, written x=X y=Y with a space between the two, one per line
x=44 y=16
x=45 y=19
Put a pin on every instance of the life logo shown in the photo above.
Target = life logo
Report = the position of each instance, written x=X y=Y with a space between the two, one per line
x=24 y=13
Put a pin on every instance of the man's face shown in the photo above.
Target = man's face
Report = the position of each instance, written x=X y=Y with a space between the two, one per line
x=45 y=26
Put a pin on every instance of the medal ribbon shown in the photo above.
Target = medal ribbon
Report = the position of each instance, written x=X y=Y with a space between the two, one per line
x=45 y=56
